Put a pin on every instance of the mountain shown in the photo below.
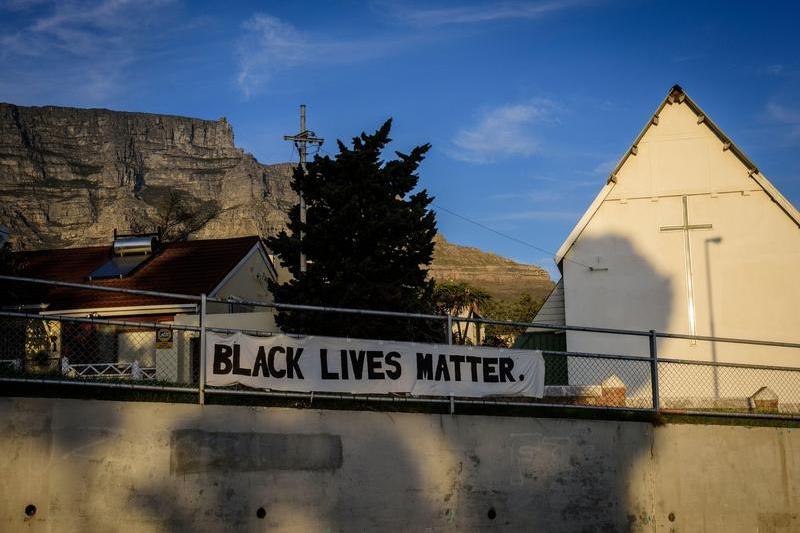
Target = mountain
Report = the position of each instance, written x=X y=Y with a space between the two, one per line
x=501 y=277
x=70 y=177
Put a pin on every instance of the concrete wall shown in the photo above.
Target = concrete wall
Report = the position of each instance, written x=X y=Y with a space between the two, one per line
x=114 y=466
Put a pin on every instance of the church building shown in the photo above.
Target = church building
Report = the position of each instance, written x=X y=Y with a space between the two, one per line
x=687 y=236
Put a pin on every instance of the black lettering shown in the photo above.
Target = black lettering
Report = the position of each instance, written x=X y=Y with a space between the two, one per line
x=222 y=359
x=375 y=364
x=490 y=370
x=506 y=367
x=239 y=371
x=293 y=362
x=261 y=363
x=424 y=365
x=344 y=367
x=457 y=360
x=271 y=360
x=390 y=361
x=473 y=363
x=442 y=372
x=323 y=363
x=357 y=358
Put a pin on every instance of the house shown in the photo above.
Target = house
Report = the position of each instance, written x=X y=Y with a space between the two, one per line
x=221 y=268
x=235 y=269
x=689 y=237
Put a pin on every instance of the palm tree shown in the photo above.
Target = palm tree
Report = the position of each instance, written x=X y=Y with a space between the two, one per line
x=460 y=299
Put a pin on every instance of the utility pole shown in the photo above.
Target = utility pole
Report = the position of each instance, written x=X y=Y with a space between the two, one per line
x=301 y=141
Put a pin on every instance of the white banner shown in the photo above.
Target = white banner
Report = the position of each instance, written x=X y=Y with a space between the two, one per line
x=357 y=366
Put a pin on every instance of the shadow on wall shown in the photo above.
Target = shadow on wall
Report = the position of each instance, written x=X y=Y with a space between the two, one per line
x=623 y=291
x=165 y=467
x=107 y=466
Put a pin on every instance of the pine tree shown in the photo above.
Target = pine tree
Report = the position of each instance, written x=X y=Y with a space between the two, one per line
x=367 y=240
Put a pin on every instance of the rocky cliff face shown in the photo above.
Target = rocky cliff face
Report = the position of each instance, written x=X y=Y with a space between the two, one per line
x=501 y=277
x=71 y=176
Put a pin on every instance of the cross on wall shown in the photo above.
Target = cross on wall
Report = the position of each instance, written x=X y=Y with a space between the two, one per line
x=687 y=249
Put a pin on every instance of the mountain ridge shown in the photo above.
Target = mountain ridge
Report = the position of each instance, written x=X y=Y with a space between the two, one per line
x=71 y=176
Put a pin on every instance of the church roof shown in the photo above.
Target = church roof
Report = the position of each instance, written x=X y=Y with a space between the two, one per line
x=677 y=95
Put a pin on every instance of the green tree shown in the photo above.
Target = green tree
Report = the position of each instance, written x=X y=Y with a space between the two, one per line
x=523 y=309
x=458 y=298
x=367 y=239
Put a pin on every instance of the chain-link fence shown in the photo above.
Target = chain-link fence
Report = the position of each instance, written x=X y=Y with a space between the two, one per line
x=700 y=375
x=98 y=350
x=693 y=386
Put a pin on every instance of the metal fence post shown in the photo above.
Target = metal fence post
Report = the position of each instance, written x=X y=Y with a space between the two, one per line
x=202 y=379
x=654 y=368
x=450 y=341
x=449 y=329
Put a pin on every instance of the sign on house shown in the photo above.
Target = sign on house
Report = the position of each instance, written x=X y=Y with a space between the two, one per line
x=163 y=338
x=358 y=366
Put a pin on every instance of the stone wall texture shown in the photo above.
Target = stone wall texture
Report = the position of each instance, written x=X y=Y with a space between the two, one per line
x=125 y=466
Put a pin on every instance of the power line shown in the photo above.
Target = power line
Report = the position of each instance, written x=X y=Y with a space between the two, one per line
x=510 y=237
x=488 y=228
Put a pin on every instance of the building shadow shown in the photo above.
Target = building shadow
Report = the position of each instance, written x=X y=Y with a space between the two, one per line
x=113 y=466
x=110 y=466
x=610 y=283
x=712 y=324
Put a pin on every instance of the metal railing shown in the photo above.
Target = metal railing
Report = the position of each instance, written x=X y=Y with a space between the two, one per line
x=108 y=352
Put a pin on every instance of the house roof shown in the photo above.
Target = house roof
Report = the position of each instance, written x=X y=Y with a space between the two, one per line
x=677 y=95
x=189 y=267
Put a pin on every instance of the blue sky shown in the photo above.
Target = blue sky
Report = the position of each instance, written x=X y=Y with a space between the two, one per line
x=527 y=104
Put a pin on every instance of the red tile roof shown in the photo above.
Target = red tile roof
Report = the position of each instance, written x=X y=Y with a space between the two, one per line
x=189 y=267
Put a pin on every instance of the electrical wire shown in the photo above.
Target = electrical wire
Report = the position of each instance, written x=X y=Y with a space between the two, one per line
x=510 y=237
x=484 y=226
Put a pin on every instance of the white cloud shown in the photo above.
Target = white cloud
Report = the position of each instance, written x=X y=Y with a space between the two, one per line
x=783 y=114
x=504 y=131
x=541 y=196
x=87 y=28
x=83 y=47
x=774 y=70
x=540 y=215
x=476 y=14
x=605 y=167
x=21 y=5
x=271 y=45
x=787 y=117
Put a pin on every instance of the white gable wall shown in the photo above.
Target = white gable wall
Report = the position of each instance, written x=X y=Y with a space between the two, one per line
x=247 y=282
x=745 y=268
